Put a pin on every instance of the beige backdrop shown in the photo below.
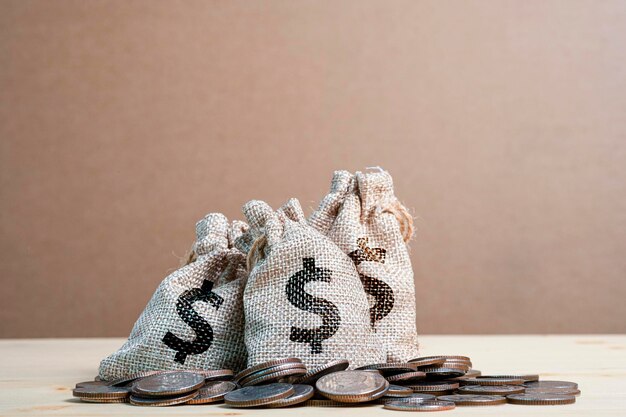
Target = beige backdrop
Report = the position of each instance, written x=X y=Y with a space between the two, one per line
x=503 y=122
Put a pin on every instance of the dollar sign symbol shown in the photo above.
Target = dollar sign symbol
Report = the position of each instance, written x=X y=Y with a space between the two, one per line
x=380 y=290
x=204 y=331
x=297 y=295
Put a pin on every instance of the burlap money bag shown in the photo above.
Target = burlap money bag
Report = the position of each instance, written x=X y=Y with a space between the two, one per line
x=195 y=318
x=364 y=218
x=303 y=298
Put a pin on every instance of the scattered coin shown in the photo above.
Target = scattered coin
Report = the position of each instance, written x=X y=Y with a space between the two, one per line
x=162 y=401
x=104 y=400
x=443 y=372
x=326 y=403
x=428 y=386
x=215 y=374
x=301 y=394
x=474 y=399
x=562 y=391
x=274 y=376
x=541 y=399
x=213 y=392
x=407 y=377
x=313 y=375
x=426 y=405
x=479 y=380
x=415 y=397
x=492 y=389
x=398 y=391
x=89 y=384
x=390 y=368
x=525 y=377
x=427 y=360
x=101 y=392
x=168 y=383
x=254 y=396
x=352 y=386
x=472 y=373
x=125 y=380
x=551 y=384
x=264 y=365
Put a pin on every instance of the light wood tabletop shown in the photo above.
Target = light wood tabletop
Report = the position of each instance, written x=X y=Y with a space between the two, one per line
x=37 y=376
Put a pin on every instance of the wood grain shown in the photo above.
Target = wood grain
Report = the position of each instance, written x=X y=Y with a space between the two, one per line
x=37 y=376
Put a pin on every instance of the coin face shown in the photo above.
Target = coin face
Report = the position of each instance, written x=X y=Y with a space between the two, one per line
x=101 y=391
x=492 y=390
x=168 y=383
x=352 y=386
x=313 y=375
x=474 y=399
x=258 y=395
x=426 y=405
x=541 y=399
x=163 y=400
x=479 y=380
x=551 y=384
x=213 y=392
x=301 y=394
x=407 y=377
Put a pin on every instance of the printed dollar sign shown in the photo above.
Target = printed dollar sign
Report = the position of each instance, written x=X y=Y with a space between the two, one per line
x=204 y=331
x=297 y=295
x=380 y=290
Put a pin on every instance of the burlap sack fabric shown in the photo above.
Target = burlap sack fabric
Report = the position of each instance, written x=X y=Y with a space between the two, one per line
x=195 y=318
x=304 y=298
x=364 y=218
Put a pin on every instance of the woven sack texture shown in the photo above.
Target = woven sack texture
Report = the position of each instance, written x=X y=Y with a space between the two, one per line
x=363 y=217
x=195 y=318
x=304 y=297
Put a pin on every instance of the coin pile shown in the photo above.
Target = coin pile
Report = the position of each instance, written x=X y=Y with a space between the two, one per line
x=433 y=383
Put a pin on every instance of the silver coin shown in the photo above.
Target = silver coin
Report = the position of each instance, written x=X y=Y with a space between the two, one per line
x=398 y=391
x=265 y=365
x=551 y=384
x=212 y=392
x=271 y=370
x=471 y=399
x=258 y=395
x=352 y=386
x=313 y=375
x=168 y=383
x=274 y=376
x=426 y=405
x=301 y=394
x=492 y=390
x=415 y=397
x=163 y=400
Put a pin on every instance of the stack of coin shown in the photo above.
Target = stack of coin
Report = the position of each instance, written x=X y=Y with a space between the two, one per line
x=432 y=383
x=271 y=371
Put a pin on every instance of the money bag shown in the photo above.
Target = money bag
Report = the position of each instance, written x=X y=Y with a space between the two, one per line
x=195 y=318
x=304 y=297
x=363 y=217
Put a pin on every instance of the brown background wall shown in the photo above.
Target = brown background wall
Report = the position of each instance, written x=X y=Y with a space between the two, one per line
x=503 y=123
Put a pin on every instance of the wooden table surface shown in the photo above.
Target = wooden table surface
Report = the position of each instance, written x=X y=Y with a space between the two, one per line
x=37 y=376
